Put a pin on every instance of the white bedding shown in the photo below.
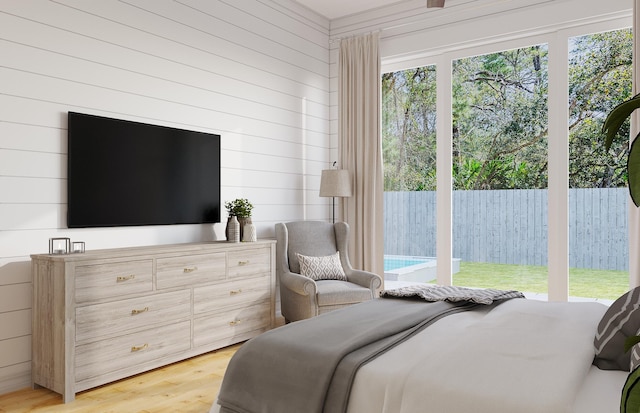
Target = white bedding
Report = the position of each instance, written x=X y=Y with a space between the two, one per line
x=524 y=356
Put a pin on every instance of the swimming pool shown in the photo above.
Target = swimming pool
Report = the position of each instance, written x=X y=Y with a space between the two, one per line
x=417 y=269
x=393 y=263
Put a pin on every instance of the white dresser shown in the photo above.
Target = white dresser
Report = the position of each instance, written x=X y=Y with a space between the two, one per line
x=103 y=315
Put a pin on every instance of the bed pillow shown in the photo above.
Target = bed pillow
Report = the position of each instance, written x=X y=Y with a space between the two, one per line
x=620 y=321
x=322 y=268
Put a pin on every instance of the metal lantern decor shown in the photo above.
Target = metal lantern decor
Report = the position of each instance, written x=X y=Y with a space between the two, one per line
x=77 y=247
x=59 y=245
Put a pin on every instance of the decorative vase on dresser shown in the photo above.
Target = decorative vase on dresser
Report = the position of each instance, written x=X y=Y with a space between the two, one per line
x=244 y=221
x=109 y=314
x=233 y=229
x=249 y=232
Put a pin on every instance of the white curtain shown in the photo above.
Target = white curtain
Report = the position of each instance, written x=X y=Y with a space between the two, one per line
x=361 y=148
x=634 y=212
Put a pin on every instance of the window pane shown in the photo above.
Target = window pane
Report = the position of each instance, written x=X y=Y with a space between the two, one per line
x=500 y=169
x=409 y=154
x=600 y=75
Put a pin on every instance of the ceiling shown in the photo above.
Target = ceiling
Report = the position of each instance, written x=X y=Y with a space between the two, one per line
x=333 y=9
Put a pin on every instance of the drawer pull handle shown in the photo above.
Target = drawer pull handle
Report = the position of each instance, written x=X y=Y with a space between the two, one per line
x=241 y=263
x=144 y=310
x=235 y=292
x=234 y=322
x=123 y=278
x=190 y=269
x=139 y=348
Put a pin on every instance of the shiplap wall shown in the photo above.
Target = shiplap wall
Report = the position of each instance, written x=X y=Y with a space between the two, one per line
x=254 y=71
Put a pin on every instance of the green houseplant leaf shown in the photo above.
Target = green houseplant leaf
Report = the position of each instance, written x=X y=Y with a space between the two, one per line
x=616 y=118
x=240 y=207
x=633 y=170
x=630 y=342
x=612 y=124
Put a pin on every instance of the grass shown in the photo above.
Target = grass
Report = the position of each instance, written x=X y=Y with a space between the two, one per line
x=529 y=278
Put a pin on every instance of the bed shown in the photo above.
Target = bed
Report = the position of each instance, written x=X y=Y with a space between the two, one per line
x=509 y=355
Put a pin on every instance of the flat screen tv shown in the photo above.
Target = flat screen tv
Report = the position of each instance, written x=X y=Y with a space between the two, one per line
x=123 y=173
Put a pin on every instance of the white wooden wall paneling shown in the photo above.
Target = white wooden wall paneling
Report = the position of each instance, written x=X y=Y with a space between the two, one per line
x=15 y=350
x=87 y=72
x=16 y=217
x=254 y=71
x=15 y=376
x=17 y=323
x=33 y=138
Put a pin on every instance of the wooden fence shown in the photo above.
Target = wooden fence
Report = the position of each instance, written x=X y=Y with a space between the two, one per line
x=510 y=226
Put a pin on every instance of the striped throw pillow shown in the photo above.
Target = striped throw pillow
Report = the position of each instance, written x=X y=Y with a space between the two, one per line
x=620 y=321
x=322 y=268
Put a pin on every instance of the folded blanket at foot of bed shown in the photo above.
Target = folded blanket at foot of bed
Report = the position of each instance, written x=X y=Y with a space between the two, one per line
x=452 y=293
x=309 y=366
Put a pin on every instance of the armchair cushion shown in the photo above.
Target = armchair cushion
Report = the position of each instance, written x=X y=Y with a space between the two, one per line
x=322 y=268
x=333 y=293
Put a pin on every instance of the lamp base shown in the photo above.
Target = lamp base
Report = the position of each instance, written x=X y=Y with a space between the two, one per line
x=333 y=209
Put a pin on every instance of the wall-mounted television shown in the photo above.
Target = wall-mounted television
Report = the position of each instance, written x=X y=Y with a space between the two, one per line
x=124 y=173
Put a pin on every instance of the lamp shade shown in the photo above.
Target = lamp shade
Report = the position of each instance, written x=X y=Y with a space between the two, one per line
x=335 y=182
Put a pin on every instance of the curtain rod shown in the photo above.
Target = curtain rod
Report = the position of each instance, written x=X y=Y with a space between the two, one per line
x=430 y=4
x=338 y=39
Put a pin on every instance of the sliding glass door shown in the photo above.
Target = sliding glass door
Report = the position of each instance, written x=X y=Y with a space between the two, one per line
x=499 y=136
x=409 y=151
x=500 y=169
x=600 y=75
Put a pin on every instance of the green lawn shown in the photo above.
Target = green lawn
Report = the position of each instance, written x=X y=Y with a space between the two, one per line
x=528 y=278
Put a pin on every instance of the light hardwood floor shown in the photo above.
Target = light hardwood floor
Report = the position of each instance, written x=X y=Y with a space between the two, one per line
x=189 y=386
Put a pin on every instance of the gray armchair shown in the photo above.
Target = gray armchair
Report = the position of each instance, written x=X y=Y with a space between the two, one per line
x=300 y=296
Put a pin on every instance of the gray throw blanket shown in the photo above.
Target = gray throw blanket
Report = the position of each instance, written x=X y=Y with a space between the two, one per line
x=452 y=294
x=308 y=366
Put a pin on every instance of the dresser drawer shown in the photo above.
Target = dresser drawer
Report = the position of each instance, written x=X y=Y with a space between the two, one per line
x=113 y=279
x=127 y=353
x=240 y=293
x=232 y=326
x=189 y=270
x=249 y=262
x=110 y=319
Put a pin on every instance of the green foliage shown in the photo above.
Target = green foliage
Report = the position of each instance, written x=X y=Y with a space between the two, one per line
x=240 y=207
x=505 y=173
x=630 y=342
x=612 y=125
x=630 y=397
x=409 y=129
x=600 y=78
x=500 y=131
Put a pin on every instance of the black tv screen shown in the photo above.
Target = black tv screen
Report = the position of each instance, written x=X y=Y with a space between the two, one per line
x=123 y=173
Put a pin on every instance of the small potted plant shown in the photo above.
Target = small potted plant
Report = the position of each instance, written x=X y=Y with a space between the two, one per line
x=239 y=208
